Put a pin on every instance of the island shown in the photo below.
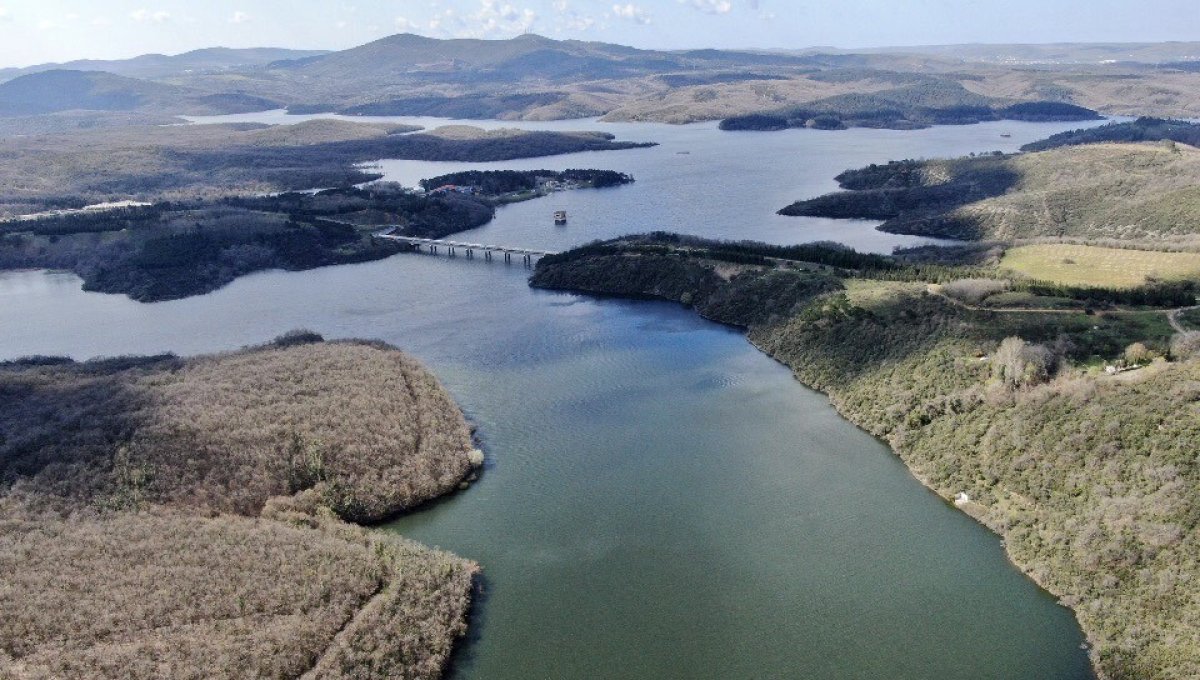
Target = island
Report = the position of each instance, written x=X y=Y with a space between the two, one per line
x=201 y=517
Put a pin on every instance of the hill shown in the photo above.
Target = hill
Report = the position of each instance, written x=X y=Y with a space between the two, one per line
x=162 y=516
x=1145 y=129
x=916 y=105
x=1146 y=194
x=62 y=90
x=536 y=78
x=207 y=60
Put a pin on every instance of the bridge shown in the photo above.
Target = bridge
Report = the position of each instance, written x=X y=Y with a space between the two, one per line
x=451 y=248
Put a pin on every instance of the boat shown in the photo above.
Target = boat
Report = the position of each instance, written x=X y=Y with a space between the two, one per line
x=1005 y=134
x=560 y=217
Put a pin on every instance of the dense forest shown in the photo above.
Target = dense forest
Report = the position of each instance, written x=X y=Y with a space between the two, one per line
x=189 y=517
x=910 y=106
x=496 y=182
x=1144 y=129
x=1142 y=194
x=174 y=250
x=1083 y=473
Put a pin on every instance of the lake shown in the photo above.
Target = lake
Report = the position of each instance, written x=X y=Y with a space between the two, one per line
x=660 y=499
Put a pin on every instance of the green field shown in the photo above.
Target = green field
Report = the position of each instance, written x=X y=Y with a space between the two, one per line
x=1095 y=266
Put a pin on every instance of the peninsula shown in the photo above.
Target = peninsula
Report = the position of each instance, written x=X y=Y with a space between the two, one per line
x=199 y=517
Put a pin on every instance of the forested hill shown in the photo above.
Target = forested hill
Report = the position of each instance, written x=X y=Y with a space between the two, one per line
x=1145 y=194
x=1145 y=129
x=912 y=106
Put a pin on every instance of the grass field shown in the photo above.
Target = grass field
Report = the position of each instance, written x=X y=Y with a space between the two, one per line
x=1096 y=266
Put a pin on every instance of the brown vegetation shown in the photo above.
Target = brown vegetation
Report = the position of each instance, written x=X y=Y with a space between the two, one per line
x=180 y=518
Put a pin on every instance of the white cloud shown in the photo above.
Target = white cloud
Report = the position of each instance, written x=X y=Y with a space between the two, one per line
x=5 y=15
x=709 y=6
x=631 y=12
x=101 y=22
x=239 y=17
x=493 y=19
x=145 y=16
x=46 y=25
x=404 y=24
x=559 y=5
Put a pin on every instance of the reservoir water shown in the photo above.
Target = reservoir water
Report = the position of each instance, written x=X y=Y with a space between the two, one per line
x=660 y=499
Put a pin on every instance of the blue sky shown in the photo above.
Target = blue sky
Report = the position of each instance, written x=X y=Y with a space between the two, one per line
x=34 y=31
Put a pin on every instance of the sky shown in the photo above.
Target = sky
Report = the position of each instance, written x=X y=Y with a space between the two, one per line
x=39 y=31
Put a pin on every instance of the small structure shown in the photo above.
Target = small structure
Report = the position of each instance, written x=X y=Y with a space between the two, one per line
x=560 y=217
x=962 y=498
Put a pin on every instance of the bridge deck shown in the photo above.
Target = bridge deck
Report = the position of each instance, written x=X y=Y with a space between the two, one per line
x=417 y=241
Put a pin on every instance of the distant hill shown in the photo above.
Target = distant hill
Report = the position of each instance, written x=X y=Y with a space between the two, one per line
x=1049 y=53
x=54 y=91
x=408 y=57
x=60 y=90
x=208 y=60
x=532 y=77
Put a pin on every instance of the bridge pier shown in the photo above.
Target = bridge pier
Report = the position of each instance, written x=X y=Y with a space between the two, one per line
x=528 y=260
x=507 y=257
x=487 y=255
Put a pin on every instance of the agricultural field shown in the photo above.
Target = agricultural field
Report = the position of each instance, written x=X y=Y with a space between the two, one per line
x=1079 y=265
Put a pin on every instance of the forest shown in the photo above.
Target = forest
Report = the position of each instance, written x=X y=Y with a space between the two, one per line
x=191 y=517
x=1141 y=193
x=912 y=105
x=496 y=182
x=177 y=249
x=1144 y=129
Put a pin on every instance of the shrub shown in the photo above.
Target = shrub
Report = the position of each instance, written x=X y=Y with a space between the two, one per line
x=974 y=291
x=1020 y=364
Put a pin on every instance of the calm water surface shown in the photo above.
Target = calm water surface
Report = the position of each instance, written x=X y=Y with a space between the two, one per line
x=660 y=500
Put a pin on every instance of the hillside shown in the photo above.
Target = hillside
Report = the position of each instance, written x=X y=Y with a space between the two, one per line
x=1146 y=194
x=65 y=90
x=174 y=517
x=1088 y=477
x=536 y=78
x=211 y=59
x=191 y=161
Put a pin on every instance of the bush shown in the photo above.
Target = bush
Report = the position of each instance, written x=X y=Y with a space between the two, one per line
x=974 y=291
x=1020 y=364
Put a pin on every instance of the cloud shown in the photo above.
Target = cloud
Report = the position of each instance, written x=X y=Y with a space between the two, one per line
x=405 y=25
x=143 y=16
x=240 y=17
x=709 y=6
x=5 y=15
x=631 y=12
x=493 y=19
x=101 y=22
